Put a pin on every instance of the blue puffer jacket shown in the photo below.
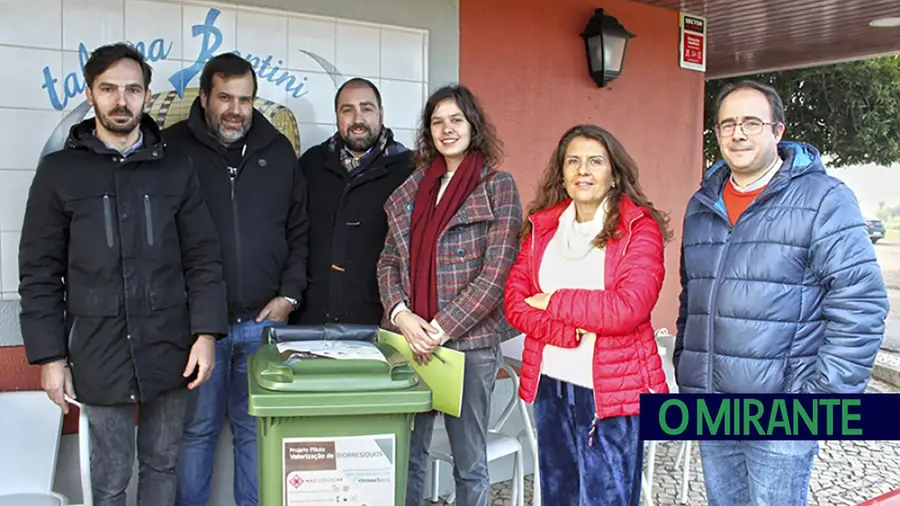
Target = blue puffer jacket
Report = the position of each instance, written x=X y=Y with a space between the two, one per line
x=790 y=299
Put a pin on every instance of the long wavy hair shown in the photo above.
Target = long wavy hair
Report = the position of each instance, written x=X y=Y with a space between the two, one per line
x=552 y=189
x=484 y=138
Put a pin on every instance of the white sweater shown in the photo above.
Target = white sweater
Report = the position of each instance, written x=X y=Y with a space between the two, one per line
x=572 y=261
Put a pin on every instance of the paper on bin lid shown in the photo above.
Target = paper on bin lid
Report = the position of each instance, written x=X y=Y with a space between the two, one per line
x=295 y=351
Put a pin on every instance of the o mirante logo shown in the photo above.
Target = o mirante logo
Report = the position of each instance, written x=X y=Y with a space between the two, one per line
x=770 y=416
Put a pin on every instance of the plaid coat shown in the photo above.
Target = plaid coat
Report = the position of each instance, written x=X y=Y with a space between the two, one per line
x=475 y=254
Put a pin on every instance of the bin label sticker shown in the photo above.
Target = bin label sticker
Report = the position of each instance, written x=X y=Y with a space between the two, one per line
x=297 y=351
x=351 y=470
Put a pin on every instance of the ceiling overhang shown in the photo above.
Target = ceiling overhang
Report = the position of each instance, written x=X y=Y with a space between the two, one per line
x=754 y=36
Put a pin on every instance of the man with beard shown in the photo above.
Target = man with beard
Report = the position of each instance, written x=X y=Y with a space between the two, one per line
x=256 y=195
x=350 y=177
x=121 y=281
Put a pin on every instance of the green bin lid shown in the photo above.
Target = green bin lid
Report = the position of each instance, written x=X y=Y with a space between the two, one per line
x=331 y=366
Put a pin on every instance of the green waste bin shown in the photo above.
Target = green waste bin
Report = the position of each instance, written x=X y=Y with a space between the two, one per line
x=333 y=422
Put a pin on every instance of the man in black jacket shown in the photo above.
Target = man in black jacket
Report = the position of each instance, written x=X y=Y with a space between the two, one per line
x=256 y=195
x=121 y=281
x=350 y=176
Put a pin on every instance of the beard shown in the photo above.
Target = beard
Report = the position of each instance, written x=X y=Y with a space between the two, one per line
x=120 y=125
x=360 y=142
x=227 y=134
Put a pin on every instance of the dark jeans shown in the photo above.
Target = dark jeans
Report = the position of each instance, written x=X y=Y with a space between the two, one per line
x=160 y=427
x=467 y=434
x=575 y=472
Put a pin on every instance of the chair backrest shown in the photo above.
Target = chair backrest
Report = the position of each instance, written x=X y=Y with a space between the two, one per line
x=30 y=430
x=666 y=343
x=514 y=398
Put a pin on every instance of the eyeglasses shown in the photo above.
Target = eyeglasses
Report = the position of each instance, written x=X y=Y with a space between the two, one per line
x=751 y=126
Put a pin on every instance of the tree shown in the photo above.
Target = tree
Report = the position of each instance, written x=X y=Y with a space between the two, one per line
x=849 y=111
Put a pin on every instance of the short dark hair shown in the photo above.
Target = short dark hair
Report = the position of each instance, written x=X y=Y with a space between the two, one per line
x=226 y=65
x=771 y=94
x=358 y=81
x=106 y=56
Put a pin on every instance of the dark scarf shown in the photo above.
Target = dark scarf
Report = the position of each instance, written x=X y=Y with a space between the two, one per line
x=428 y=222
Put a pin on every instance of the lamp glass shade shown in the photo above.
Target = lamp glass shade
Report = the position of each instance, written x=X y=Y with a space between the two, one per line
x=614 y=52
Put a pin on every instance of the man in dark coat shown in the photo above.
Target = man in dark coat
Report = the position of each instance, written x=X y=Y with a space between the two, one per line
x=121 y=281
x=350 y=176
x=256 y=194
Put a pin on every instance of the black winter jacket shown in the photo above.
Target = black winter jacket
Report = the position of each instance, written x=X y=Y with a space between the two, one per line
x=119 y=267
x=260 y=212
x=348 y=227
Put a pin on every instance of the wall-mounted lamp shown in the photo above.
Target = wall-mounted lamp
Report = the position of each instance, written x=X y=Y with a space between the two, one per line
x=605 y=41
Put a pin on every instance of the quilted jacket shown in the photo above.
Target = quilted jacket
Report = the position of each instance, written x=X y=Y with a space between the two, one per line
x=626 y=361
x=789 y=299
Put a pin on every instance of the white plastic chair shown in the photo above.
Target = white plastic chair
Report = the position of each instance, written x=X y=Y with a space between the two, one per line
x=30 y=431
x=84 y=455
x=666 y=345
x=499 y=445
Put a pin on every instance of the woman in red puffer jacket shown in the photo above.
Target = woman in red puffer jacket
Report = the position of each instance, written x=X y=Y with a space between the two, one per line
x=588 y=275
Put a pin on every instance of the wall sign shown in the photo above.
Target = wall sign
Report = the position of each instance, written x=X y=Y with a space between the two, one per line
x=692 y=42
x=268 y=67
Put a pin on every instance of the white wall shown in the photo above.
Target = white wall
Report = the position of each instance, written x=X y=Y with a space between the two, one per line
x=43 y=44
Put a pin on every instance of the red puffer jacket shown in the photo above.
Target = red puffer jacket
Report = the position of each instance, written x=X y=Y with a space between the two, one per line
x=626 y=360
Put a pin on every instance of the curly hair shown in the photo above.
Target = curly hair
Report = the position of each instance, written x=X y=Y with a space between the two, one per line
x=484 y=138
x=552 y=190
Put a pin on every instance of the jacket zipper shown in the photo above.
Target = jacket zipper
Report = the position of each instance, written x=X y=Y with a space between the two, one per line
x=107 y=220
x=766 y=195
x=148 y=219
x=715 y=291
x=72 y=339
x=534 y=276
x=232 y=176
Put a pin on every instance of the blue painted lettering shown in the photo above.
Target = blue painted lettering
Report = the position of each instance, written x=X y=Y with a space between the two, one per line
x=61 y=89
x=212 y=39
x=260 y=67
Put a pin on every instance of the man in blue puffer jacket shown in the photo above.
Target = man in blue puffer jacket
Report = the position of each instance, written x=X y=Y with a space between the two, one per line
x=781 y=291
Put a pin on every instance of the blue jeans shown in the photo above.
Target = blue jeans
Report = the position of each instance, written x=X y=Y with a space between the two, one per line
x=757 y=473
x=467 y=434
x=226 y=391
x=577 y=470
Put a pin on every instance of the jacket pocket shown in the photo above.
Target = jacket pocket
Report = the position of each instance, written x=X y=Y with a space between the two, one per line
x=107 y=220
x=91 y=302
x=148 y=219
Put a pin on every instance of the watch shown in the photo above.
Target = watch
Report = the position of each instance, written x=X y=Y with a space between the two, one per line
x=292 y=302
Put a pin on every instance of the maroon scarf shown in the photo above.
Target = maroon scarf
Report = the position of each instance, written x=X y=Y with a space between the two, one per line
x=429 y=221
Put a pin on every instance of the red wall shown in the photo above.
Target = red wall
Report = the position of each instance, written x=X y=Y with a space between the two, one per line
x=526 y=62
x=16 y=374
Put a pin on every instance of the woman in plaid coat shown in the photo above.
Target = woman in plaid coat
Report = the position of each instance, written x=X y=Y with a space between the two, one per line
x=452 y=240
